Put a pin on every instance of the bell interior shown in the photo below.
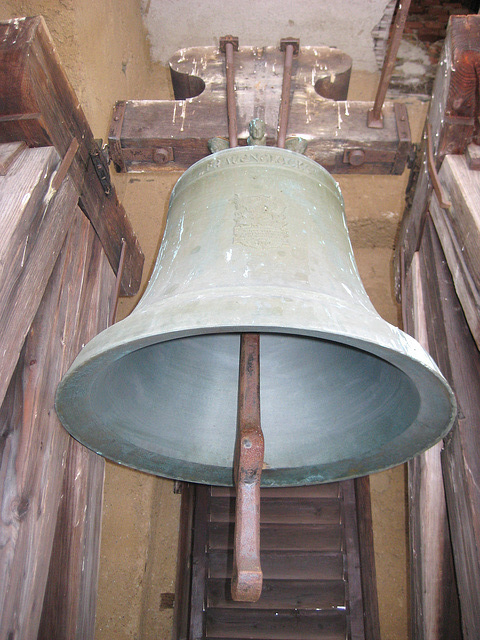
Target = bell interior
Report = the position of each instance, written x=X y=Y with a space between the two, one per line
x=171 y=407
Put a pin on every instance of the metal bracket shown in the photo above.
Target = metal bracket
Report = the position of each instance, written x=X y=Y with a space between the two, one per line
x=432 y=172
x=224 y=40
x=100 y=163
x=295 y=42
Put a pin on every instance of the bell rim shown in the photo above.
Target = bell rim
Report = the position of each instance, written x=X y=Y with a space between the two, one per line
x=216 y=476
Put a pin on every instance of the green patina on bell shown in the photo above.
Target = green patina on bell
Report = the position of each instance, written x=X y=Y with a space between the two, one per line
x=256 y=241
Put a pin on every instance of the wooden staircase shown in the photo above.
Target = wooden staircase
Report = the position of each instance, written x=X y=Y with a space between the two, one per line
x=312 y=585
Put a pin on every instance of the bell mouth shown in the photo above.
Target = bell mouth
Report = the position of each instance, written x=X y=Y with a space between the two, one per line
x=330 y=408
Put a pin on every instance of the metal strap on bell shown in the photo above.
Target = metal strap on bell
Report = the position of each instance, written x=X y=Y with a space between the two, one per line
x=256 y=241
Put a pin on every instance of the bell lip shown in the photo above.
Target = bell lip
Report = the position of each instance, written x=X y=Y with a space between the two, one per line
x=220 y=476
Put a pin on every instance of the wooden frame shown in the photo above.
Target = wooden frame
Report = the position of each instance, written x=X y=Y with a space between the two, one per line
x=58 y=290
x=437 y=280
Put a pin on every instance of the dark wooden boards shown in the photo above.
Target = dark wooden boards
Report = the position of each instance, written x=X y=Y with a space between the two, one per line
x=312 y=584
x=452 y=345
x=39 y=106
x=458 y=228
x=281 y=594
x=152 y=135
x=283 y=510
x=323 y=537
x=276 y=625
x=363 y=505
x=330 y=490
x=284 y=564
x=435 y=605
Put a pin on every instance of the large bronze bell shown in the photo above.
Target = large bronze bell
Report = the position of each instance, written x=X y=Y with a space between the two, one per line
x=256 y=241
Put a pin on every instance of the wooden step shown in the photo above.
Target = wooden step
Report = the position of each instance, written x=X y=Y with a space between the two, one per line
x=314 y=595
x=282 y=510
x=276 y=624
x=287 y=564
x=309 y=537
x=330 y=490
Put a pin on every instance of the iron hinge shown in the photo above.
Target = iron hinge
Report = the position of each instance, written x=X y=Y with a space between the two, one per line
x=100 y=158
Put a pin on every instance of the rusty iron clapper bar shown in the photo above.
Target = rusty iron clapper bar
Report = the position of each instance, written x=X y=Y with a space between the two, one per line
x=247 y=575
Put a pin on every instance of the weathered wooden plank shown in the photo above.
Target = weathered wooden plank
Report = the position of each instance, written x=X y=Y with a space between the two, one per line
x=199 y=564
x=39 y=106
x=304 y=595
x=184 y=564
x=34 y=223
x=112 y=226
x=457 y=354
x=367 y=558
x=285 y=564
x=183 y=128
x=282 y=536
x=35 y=447
x=355 y=600
x=70 y=599
x=329 y=490
x=434 y=603
x=276 y=624
x=459 y=231
x=282 y=510
x=9 y=151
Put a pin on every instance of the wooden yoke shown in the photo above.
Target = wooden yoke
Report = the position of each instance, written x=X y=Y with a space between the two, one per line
x=153 y=135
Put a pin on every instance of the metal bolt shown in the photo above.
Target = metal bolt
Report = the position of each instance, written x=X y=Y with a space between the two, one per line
x=160 y=156
x=356 y=157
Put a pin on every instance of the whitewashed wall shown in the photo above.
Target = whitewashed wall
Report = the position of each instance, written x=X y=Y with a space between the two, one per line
x=349 y=25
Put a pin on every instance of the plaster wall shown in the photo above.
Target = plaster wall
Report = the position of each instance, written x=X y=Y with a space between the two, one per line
x=348 y=25
x=104 y=49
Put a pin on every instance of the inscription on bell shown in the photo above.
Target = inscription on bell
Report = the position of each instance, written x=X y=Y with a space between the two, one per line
x=260 y=222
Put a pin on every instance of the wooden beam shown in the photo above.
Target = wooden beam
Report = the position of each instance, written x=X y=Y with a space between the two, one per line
x=363 y=503
x=39 y=106
x=181 y=607
x=352 y=550
x=199 y=564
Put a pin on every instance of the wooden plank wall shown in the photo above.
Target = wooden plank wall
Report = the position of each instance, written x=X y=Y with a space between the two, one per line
x=57 y=290
x=55 y=296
